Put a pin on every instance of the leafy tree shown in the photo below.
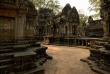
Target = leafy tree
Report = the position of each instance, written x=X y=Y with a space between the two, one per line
x=52 y=4
x=95 y=6
x=83 y=17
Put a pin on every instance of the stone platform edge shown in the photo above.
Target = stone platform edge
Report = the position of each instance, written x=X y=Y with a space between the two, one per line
x=94 y=66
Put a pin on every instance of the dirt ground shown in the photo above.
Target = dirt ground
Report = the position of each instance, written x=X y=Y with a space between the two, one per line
x=66 y=60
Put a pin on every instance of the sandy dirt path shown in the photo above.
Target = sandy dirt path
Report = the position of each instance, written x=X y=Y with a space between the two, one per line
x=66 y=60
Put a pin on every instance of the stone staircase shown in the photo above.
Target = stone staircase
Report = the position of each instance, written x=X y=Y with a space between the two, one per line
x=15 y=54
x=99 y=44
x=99 y=57
x=94 y=49
x=6 y=58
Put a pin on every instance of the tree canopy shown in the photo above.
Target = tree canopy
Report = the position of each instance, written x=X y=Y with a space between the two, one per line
x=83 y=17
x=52 y=4
x=95 y=6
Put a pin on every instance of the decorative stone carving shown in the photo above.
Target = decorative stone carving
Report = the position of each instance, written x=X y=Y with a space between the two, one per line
x=95 y=28
x=66 y=10
x=73 y=14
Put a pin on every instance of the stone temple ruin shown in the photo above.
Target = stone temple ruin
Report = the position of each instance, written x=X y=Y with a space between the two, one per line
x=100 y=50
x=64 y=26
x=63 y=29
x=19 y=52
x=95 y=28
x=21 y=26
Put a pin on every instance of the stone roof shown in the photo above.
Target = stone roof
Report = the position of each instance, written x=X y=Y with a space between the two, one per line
x=73 y=15
x=66 y=10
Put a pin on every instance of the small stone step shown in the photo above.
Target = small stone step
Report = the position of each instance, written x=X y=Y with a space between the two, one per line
x=28 y=45
x=19 y=48
x=4 y=69
x=6 y=50
x=21 y=42
x=38 y=70
x=33 y=71
x=35 y=45
x=42 y=48
x=32 y=41
x=6 y=47
x=26 y=42
x=6 y=62
x=96 y=46
x=6 y=56
x=100 y=43
x=6 y=44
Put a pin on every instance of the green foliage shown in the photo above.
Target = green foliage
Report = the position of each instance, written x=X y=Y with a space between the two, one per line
x=95 y=6
x=83 y=17
x=52 y=4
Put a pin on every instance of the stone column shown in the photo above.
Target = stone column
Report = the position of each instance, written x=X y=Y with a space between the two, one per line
x=68 y=29
x=16 y=29
x=82 y=42
x=78 y=42
x=86 y=43
x=20 y=27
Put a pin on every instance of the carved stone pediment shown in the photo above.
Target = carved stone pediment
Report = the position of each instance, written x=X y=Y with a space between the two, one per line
x=74 y=14
x=66 y=10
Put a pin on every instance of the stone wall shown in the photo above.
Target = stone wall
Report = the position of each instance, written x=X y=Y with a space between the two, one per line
x=19 y=12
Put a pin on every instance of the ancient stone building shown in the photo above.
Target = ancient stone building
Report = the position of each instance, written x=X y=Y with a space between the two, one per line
x=100 y=51
x=19 y=52
x=30 y=21
x=95 y=28
x=69 y=21
x=65 y=25
x=17 y=23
